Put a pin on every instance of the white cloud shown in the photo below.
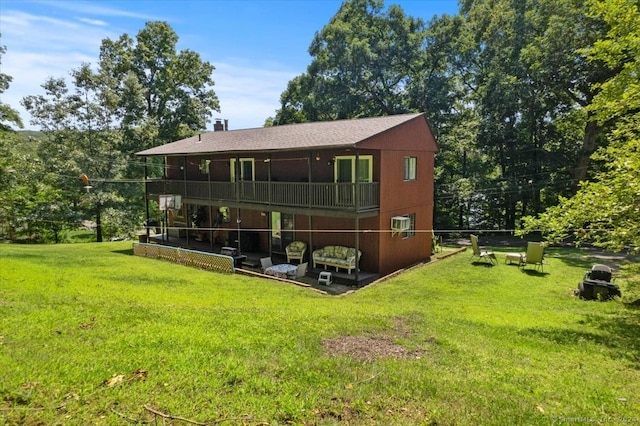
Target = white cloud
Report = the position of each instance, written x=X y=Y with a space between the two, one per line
x=90 y=8
x=95 y=22
x=40 y=46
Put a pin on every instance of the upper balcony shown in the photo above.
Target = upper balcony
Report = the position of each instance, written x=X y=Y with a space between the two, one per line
x=317 y=195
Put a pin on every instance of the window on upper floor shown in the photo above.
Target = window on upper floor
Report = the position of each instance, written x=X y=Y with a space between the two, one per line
x=410 y=165
x=345 y=168
x=246 y=170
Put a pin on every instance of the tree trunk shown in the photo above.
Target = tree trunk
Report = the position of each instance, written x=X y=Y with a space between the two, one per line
x=589 y=145
x=98 y=224
x=461 y=204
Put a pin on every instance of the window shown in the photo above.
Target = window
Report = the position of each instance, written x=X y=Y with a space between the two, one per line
x=224 y=215
x=410 y=164
x=204 y=166
x=412 y=226
x=282 y=230
x=247 y=169
x=345 y=168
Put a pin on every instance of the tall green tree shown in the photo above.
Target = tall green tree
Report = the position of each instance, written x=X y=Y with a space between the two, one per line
x=557 y=58
x=9 y=157
x=605 y=210
x=141 y=94
x=158 y=93
x=530 y=84
x=80 y=141
x=364 y=62
x=8 y=115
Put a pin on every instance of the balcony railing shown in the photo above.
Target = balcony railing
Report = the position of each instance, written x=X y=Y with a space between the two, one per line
x=291 y=194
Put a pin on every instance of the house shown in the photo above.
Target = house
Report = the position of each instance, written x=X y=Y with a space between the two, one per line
x=362 y=183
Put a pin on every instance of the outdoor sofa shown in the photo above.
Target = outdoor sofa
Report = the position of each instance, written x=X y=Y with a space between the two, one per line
x=337 y=256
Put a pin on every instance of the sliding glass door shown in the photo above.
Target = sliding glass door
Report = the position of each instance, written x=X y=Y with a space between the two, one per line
x=282 y=231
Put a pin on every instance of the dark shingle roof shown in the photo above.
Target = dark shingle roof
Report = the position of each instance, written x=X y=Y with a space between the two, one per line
x=322 y=134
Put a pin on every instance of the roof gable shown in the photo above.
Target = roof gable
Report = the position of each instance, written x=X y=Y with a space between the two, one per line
x=314 y=135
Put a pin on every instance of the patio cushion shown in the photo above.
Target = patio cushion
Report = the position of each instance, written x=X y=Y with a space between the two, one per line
x=296 y=247
x=340 y=252
x=328 y=251
x=339 y=256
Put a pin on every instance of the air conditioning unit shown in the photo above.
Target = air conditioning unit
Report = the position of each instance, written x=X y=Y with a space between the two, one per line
x=399 y=224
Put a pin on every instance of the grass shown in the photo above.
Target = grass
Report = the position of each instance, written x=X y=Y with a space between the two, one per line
x=92 y=335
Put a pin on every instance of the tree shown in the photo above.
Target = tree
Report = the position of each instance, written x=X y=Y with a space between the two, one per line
x=8 y=115
x=605 y=210
x=143 y=93
x=557 y=58
x=159 y=94
x=9 y=176
x=364 y=62
x=79 y=141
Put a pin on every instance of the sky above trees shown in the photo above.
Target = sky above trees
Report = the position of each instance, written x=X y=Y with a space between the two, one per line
x=257 y=46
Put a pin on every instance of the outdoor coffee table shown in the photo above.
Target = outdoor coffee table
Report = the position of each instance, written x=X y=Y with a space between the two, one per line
x=283 y=270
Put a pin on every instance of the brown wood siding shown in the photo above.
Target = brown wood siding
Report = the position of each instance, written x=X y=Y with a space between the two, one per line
x=251 y=221
x=173 y=168
x=397 y=252
x=399 y=198
x=382 y=253
x=324 y=234
x=285 y=167
x=414 y=135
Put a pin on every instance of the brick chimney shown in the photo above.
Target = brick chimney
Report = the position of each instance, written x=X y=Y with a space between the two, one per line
x=218 y=126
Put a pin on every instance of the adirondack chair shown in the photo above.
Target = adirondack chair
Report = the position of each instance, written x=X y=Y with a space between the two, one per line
x=480 y=253
x=534 y=256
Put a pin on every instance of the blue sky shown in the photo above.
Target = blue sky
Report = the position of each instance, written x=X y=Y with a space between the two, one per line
x=257 y=46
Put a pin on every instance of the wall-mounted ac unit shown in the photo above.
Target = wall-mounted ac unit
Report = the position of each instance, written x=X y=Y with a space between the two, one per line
x=399 y=224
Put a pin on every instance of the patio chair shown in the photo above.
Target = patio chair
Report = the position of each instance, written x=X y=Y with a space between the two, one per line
x=296 y=250
x=265 y=262
x=533 y=256
x=302 y=270
x=480 y=253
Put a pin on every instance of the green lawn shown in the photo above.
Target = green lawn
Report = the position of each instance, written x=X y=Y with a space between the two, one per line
x=90 y=334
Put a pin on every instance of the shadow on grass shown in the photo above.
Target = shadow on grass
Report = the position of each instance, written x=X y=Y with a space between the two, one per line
x=128 y=252
x=534 y=273
x=635 y=305
x=485 y=264
x=621 y=336
x=577 y=260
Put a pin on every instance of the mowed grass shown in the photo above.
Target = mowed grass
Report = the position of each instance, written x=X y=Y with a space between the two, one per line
x=90 y=334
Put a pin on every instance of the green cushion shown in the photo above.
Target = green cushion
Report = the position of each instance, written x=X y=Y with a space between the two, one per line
x=340 y=252
x=328 y=251
x=335 y=254
x=296 y=247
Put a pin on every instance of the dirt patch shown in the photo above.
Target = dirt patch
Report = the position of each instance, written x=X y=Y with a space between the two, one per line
x=371 y=347
x=367 y=348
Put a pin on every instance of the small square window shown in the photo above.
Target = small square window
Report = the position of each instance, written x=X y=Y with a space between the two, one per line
x=410 y=165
